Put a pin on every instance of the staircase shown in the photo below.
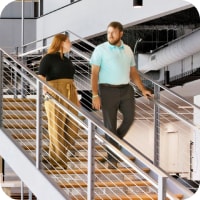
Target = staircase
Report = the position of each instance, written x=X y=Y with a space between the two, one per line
x=121 y=183
x=24 y=126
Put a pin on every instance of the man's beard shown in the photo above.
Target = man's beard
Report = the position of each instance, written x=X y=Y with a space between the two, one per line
x=114 y=42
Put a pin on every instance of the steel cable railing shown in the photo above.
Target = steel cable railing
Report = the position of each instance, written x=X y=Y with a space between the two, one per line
x=176 y=125
x=145 y=114
x=74 y=177
x=81 y=183
x=166 y=121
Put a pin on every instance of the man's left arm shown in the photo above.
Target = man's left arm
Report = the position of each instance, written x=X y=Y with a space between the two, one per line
x=135 y=78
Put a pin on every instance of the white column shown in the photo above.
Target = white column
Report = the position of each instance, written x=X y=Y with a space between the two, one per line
x=196 y=144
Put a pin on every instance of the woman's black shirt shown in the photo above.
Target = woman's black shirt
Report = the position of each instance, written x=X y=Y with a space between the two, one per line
x=53 y=67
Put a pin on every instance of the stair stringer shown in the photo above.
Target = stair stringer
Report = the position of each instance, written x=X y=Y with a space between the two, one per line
x=26 y=170
x=172 y=185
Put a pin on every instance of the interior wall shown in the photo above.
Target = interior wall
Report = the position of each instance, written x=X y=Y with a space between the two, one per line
x=196 y=139
x=91 y=17
x=174 y=137
x=50 y=5
x=85 y=18
x=14 y=10
x=10 y=33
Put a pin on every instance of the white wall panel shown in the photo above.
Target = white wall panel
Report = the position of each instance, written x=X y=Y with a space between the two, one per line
x=89 y=17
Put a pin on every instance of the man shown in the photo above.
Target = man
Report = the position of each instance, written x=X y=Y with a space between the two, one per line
x=113 y=67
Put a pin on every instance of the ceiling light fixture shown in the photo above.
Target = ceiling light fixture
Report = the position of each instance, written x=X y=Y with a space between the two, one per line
x=137 y=3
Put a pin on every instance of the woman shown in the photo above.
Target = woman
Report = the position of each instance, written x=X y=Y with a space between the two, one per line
x=58 y=71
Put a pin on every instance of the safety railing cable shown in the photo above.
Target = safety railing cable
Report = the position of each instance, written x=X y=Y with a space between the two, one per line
x=170 y=121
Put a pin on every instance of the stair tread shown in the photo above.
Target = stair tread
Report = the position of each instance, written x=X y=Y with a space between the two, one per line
x=138 y=196
x=21 y=126
x=19 y=107
x=122 y=197
x=77 y=184
x=77 y=147
x=97 y=171
x=28 y=136
x=33 y=136
x=31 y=100
x=83 y=159
x=21 y=116
x=81 y=147
x=10 y=184
x=80 y=158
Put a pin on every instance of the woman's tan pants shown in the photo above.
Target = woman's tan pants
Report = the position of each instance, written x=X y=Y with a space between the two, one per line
x=62 y=129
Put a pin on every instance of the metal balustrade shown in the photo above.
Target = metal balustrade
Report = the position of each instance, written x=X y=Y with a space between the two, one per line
x=87 y=176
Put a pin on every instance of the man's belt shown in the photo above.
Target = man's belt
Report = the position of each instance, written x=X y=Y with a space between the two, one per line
x=114 y=86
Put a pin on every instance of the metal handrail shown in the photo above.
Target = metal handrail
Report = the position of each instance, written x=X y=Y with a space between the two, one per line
x=44 y=47
x=87 y=58
x=96 y=122
x=168 y=90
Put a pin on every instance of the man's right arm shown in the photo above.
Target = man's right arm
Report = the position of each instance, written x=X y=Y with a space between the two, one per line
x=94 y=81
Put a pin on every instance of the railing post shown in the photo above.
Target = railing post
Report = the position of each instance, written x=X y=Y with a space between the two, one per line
x=161 y=188
x=1 y=90
x=91 y=147
x=44 y=43
x=15 y=89
x=22 y=190
x=39 y=125
x=17 y=51
x=25 y=85
x=30 y=195
x=1 y=111
x=156 y=127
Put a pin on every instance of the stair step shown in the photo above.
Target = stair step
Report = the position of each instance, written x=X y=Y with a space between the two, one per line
x=28 y=136
x=45 y=136
x=80 y=184
x=85 y=159
x=22 y=126
x=33 y=147
x=83 y=147
x=121 y=197
x=46 y=147
x=19 y=107
x=19 y=116
x=97 y=171
x=79 y=159
x=17 y=196
x=22 y=116
x=31 y=100
x=10 y=184
x=30 y=106
x=149 y=196
x=33 y=136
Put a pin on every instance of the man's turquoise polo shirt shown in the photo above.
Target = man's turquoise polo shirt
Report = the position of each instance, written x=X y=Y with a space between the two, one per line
x=114 y=63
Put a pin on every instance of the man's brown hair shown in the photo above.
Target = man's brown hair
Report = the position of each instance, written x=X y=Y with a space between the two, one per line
x=117 y=25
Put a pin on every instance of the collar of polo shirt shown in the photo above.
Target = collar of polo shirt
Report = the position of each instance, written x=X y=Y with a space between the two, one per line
x=114 y=46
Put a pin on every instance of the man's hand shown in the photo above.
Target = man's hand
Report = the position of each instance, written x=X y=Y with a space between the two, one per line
x=147 y=93
x=96 y=102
